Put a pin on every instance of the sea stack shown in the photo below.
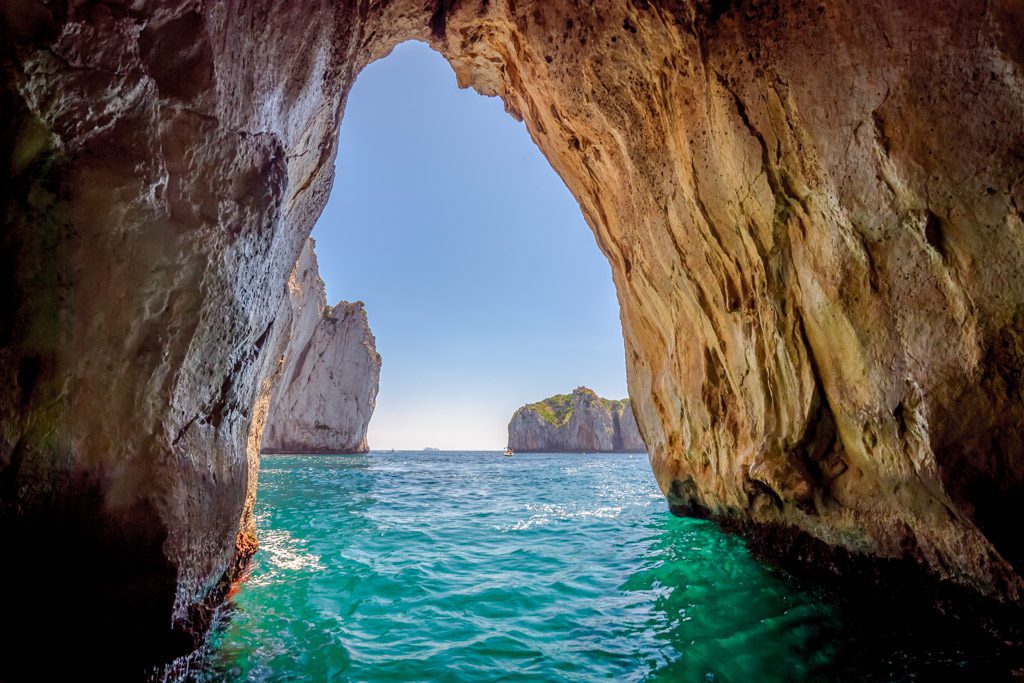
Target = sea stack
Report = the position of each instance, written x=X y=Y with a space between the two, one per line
x=580 y=422
x=327 y=390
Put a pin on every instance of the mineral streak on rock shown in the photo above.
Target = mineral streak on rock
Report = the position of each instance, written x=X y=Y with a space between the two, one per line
x=813 y=212
x=580 y=422
x=328 y=387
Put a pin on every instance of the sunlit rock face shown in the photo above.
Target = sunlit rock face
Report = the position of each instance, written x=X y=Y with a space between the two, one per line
x=812 y=211
x=813 y=214
x=327 y=391
x=571 y=423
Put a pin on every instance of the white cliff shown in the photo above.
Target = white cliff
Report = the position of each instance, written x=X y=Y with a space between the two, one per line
x=327 y=390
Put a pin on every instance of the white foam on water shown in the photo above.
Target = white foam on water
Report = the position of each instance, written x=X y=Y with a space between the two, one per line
x=546 y=514
x=280 y=553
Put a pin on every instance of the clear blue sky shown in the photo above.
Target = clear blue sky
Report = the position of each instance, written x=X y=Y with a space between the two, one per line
x=483 y=284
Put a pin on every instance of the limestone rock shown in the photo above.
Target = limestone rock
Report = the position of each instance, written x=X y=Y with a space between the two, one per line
x=629 y=437
x=577 y=422
x=812 y=212
x=813 y=216
x=328 y=388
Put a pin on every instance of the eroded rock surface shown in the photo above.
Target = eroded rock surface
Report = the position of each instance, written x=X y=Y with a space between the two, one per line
x=812 y=211
x=328 y=387
x=580 y=422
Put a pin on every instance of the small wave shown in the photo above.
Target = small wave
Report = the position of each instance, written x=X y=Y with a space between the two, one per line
x=549 y=514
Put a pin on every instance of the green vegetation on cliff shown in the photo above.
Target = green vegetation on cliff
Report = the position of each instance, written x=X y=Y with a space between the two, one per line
x=558 y=409
x=555 y=409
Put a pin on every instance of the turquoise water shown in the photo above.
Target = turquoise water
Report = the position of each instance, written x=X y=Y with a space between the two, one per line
x=475 y=567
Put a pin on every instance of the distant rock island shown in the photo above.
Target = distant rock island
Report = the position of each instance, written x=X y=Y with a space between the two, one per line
x=580 y=422
x=327 y=391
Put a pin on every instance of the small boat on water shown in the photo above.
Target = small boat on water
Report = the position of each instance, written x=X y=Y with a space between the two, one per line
x=508 y=453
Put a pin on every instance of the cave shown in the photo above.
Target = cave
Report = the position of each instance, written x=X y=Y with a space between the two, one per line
x=812 y=211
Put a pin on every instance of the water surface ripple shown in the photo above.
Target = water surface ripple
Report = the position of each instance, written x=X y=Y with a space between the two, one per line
x=547 y=567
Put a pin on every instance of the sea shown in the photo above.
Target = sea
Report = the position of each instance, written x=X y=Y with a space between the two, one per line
x=471 y=566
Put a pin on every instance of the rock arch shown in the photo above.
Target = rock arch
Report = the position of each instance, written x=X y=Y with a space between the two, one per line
x=813 y=213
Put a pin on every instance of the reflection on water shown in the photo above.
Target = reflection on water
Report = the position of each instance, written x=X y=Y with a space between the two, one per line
x=720 y=616
x=470 y=566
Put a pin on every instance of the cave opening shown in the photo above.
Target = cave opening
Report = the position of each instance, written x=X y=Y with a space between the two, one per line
x=481 y=280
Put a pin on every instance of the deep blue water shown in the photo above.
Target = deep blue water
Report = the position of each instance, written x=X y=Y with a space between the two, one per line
x=558 y=567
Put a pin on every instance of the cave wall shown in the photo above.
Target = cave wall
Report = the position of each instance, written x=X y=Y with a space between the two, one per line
x=813 y=215
x=159 y=184
x=812 y=211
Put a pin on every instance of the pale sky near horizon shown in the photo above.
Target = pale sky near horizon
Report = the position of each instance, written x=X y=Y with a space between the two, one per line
x=483 y=284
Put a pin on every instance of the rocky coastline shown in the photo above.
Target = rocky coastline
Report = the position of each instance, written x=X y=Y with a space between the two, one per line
x=580 y=422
